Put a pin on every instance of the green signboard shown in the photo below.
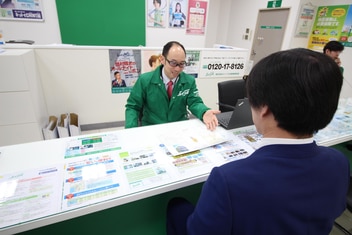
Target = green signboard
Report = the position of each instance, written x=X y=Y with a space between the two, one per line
x=270 y=27
x=272 y=4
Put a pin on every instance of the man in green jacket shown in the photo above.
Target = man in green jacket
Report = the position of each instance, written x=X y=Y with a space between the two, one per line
x=149 y=96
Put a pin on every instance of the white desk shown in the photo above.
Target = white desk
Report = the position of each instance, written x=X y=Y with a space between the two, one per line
x=133 y=157
x=123 y=147
x=340 y=128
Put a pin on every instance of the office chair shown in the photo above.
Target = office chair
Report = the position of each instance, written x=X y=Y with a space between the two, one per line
x=348 y=207
x=229 y=92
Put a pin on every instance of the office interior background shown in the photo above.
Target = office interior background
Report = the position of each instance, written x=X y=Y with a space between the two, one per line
x=227 y=22
x=67 y=73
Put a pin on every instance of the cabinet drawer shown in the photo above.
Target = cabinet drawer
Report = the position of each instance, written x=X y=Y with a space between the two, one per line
x=13 y=74
x=16 y=108
x=18 y=134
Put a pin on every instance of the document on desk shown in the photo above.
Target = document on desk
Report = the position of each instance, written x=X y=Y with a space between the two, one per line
x=83 y=146
x=91 y=170
x=190 y=136
x=232 y=150
x=144 y=167
x=107 y=166
x=30 y=195
x=340 y=126
x=249 y=135
x=91 y=179
x=202 y=161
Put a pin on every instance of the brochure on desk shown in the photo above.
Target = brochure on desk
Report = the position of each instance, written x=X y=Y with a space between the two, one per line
x=97 y=168
x=340 y=126
x=30 y=195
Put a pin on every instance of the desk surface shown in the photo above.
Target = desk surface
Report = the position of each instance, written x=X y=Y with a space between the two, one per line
x=100 y=171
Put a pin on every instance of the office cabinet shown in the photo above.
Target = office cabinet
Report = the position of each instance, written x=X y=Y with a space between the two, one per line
x=23 y=110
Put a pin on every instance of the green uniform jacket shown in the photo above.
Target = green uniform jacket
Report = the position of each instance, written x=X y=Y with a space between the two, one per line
x=149 y=97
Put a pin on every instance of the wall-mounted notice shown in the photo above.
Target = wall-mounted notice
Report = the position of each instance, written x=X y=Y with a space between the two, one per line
x=227 y=63
x=21 y=10
x=331 y=23
x=305 y=20
x=197 y=14
x=125 y=67
x=156 y=13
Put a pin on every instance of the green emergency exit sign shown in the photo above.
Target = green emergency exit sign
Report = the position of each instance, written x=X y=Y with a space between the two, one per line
x=273 y=4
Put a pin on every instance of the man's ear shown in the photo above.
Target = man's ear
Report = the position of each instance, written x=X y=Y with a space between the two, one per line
x=162 y=59
x=264 y=111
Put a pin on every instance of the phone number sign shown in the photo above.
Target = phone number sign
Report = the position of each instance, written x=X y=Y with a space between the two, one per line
x=224 y=63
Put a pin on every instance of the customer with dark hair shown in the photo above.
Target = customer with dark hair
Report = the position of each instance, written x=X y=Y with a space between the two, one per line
x=289 y=185
x=166 y=93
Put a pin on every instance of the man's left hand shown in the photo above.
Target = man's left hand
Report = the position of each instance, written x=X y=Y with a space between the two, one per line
x=210 y=120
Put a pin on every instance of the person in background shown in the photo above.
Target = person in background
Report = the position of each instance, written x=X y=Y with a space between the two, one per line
x=154 y=61
x=333 y=49
x=289 y=185
x=149 y=99
x=118 y=81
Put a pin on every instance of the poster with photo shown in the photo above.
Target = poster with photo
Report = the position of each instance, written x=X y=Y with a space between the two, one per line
x=151 y=60
x=157 y=13
x=192 y=63
x=178 y=10
x=197 y=14
x=328 y=25
x=346 y=33
x=125 y=68
x=21 y=10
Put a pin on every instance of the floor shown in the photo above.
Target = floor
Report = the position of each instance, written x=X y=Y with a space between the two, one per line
x=345 y=220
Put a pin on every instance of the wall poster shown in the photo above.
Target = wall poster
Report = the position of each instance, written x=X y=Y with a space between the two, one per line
x=305 y=20
x=331 y=23
x=178 y=10
x=21 y=10
x=197 y=15
x=125 y=68
x=156 y=13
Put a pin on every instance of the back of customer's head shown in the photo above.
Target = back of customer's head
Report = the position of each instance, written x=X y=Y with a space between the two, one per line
x=300 y=87
x=333 y=46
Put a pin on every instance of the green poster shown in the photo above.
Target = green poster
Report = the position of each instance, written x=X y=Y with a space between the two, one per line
x=346 y=33
x=328 y=25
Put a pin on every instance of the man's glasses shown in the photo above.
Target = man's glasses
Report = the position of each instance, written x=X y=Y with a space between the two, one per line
x=173 y=63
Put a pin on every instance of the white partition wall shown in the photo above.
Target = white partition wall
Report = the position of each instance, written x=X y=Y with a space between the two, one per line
x=76 y=79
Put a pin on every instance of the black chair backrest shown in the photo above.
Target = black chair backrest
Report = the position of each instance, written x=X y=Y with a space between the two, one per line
x=229 y=92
